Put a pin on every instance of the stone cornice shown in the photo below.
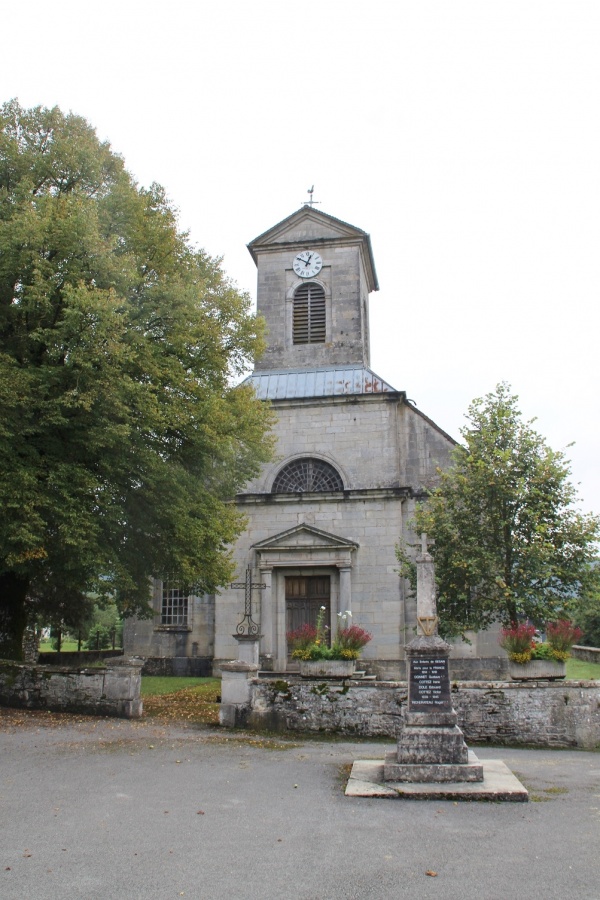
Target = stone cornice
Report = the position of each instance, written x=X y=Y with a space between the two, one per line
x=339 y=400
x=390 y=493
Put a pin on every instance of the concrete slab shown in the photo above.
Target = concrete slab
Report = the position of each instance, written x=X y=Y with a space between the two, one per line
x=499 y=785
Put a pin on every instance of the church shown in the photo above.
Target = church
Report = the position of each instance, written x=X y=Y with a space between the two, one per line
x=353 y=456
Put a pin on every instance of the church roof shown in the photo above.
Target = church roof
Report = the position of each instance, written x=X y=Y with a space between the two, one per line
x=290 y=384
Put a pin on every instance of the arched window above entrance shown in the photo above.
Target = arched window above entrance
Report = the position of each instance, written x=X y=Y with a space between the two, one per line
x=309 y=314
x=307 y=474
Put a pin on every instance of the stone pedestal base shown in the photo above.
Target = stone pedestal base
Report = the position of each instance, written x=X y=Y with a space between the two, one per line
x=439 y=773
x=427 y=744
x=431 y=747
x=431 y=738
x=248 y=648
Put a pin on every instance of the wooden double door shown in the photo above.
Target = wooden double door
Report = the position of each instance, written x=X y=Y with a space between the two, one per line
x=304 y=597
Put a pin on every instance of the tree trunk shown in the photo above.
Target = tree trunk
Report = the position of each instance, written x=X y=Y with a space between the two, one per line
x=13 y=614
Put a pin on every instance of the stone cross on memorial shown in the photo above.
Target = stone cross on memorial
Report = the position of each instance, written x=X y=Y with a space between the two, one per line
x=431 y=746
x=427 y=619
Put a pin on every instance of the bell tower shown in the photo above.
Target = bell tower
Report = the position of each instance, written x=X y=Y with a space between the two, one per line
x=315 y=274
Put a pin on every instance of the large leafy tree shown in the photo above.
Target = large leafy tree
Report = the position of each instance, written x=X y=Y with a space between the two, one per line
x=121 y=436
x=509 y=541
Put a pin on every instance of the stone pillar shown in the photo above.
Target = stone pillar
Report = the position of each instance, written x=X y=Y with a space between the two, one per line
x=266 y=612
x=280 y=623
x=345 y=595
x=123 y=685
x=236 y=692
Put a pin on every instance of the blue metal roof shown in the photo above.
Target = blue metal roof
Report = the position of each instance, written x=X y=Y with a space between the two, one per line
x=289 y=384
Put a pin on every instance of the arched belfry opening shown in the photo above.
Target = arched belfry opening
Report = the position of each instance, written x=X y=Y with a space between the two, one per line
x=309 y=322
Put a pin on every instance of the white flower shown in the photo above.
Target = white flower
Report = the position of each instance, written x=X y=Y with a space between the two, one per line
x=339 y=614
x=323 y=608
x=348 y=613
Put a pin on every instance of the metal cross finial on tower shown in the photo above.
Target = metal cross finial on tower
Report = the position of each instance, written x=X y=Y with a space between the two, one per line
x=310 y=201
x=247 y=626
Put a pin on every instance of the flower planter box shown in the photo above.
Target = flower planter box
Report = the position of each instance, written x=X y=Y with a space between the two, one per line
x=327 y=668
x=537 y=670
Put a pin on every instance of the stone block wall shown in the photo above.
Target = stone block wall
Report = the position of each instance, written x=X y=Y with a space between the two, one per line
x=110 y=690
x=148 y=638
x=541 y=714
x=586 y=654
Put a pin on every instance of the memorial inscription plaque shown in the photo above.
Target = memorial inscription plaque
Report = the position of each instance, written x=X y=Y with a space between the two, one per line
x=429 y=689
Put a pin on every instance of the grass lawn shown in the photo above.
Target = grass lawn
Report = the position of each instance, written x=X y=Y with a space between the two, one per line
x=66 y=647
x=578 y=670
x=155 y=685
x=194 y=700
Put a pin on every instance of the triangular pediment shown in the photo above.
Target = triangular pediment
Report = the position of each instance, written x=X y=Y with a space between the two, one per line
x=304 y=536
x=306 y=224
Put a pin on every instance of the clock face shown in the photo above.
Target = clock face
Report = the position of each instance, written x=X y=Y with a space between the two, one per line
x=307 y=264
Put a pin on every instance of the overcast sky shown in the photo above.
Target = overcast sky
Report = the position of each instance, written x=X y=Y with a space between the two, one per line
x=463 y=136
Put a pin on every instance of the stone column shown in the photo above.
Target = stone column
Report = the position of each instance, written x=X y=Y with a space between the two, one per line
x=345 y=595
x=266 y=613
x=280 y=649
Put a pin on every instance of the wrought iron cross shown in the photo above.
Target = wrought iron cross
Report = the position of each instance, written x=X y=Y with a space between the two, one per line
x=247 y=626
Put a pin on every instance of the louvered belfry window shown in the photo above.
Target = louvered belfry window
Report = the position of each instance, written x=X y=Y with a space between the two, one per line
x=309 y=314
x=307 y=474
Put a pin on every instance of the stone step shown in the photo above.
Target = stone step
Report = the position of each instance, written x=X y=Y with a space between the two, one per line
x=362 y=676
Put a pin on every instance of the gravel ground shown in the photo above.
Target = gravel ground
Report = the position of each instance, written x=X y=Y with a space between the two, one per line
x=104 y=808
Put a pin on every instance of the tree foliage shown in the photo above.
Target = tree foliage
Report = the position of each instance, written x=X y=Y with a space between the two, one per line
x=509 y=542
x=586 y=613
x=121 y=436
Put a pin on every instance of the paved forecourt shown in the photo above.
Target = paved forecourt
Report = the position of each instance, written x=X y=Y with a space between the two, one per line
x=100 y=808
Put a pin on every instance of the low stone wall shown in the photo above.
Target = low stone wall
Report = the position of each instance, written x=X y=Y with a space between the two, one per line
x=586 y=654
x=542 y=714
x=110 y=690
x=181 y=666
x=76 y=658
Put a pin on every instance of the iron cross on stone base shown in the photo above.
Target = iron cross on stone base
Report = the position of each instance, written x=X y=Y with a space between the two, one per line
x=247 y=626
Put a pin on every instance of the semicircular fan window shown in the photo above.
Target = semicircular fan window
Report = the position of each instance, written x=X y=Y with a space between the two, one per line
x=307 y=475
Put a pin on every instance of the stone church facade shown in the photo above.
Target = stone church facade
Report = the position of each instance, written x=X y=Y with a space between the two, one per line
x=353 y=456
